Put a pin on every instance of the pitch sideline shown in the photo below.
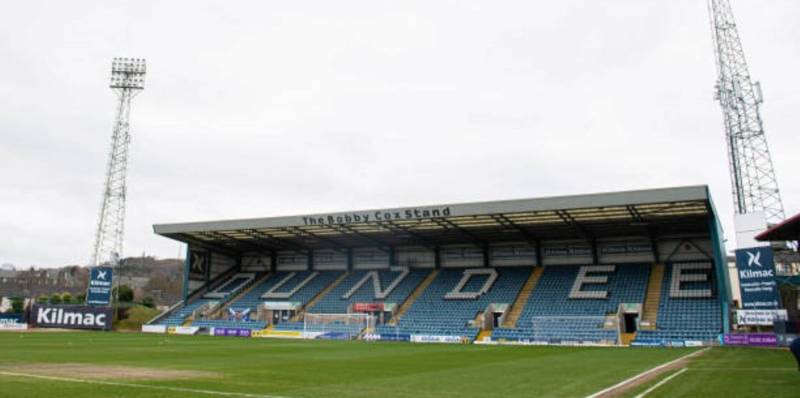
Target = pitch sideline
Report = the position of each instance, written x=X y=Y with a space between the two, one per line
x=134 y=385
x=646 y=372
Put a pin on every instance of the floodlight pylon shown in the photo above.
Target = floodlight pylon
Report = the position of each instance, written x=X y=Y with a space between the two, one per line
x=127 y=81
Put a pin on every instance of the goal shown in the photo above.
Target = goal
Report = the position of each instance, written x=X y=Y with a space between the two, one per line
x=338 y=325
x=572 y=328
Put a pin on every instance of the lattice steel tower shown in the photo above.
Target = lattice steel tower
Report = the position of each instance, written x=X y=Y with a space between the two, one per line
x=753 y=181
x=127 y=80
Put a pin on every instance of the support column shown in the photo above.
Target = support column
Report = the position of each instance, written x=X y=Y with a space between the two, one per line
x=392 y=257
x=310 y=260
x=210 y=259
x=654 y=248
x=437 y=258
x=539 y=258
x=721 y=268
x=187 y=264
x=349 y=259
x=273 y=261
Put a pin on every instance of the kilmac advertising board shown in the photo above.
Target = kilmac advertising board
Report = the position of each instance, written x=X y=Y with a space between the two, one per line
x=756 y=270
x=99 y=291
x=71 y=317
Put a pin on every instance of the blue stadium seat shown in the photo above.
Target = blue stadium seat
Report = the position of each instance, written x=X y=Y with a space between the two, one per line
x=335 y=303
x=432 y=314
x=253 y=298
x=688 y=318
x=177 y=317
x=550 y=315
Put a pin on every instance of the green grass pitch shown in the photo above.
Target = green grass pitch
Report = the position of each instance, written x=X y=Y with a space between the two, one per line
x=302 y=368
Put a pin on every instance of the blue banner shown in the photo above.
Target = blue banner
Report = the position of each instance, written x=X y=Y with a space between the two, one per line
x=99 y=291
x=12 y=322
x=756 y=269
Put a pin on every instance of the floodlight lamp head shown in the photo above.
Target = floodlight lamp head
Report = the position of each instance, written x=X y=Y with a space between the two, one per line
x=128 y=73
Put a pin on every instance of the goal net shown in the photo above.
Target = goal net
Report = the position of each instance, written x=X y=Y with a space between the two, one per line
x=338 y=325
x=572 y=328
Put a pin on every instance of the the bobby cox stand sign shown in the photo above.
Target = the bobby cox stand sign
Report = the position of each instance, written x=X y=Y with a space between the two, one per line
x=756 y=268
x=71 y=317
x=99 y=291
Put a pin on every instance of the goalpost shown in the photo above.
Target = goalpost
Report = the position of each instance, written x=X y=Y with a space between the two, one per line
x=567 y=328
x=342 y=325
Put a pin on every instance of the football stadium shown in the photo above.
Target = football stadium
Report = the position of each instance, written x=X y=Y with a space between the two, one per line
x=598 y=295
x=589 y=269
x=626 y=293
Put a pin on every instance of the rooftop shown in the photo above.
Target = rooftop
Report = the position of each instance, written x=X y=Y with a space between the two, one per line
x=648 y=213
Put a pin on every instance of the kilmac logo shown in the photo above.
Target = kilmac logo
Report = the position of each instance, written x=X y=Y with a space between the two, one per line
x=73 y=318
x=754 y=258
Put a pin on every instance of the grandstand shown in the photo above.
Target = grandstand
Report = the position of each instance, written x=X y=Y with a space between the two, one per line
x=609 y=268
x=437 y=312
x=558 y=311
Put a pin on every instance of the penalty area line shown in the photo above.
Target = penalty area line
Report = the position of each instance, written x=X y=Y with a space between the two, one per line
x=646 y=372
x=134 y=385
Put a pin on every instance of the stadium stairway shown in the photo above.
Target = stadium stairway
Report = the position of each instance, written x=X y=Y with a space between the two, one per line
x=483 y=335
x=522 y=298
x=299 y=316
x=177 y=314
x=653 y=297
x=220 y=312
x=626 y=338
x=413 y=297
x=687 y=317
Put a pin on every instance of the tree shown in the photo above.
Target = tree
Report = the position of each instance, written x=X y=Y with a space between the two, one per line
x=55 y=298
x=148 y=302
x=43 y=299
x=125 y=294
x=66 y=298
x=80 y=298
x=17 y=304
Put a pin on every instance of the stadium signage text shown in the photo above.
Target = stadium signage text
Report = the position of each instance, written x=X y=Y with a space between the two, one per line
x=154 y=328
x=424 y=338
x=760 y=317
x=72 y=317
x=99 y=291
x=387 y=337
x=231 y=332
x=367 y=307
x=753 y=339
x=185 y=330
x=756 y=269
x=12 y=322
x=377 y=216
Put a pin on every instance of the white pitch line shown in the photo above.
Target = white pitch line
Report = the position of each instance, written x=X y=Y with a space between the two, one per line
x=661 y=383
x=646 y=372
x=133 y=385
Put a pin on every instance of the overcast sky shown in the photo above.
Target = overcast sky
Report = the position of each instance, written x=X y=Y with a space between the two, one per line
x=260 y=108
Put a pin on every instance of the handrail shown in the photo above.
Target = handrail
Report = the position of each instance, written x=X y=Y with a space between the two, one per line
x=165 y=313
